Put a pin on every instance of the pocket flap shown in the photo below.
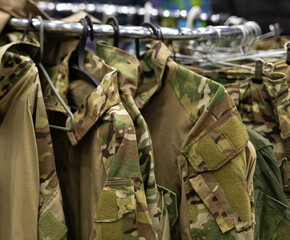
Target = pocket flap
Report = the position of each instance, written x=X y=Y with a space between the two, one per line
x=116 y=200
x=217 y=146
x=218 y=158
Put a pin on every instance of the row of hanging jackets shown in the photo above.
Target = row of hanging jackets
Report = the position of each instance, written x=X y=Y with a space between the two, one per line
x=159 y=150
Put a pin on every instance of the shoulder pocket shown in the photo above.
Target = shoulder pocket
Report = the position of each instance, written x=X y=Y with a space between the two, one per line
x=115 y=216
x=219 y=162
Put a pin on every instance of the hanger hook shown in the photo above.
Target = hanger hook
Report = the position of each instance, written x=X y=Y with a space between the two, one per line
x=243 y=40
x=216 y=38
x=253 y=33
x=137 y=41
x=151 y=27
x=180 y=33
x=29 y=24
x=159 y=33
x=269 y=67
x=47 y=77
x=90 y=23
x=115 y=24
x=287 y=47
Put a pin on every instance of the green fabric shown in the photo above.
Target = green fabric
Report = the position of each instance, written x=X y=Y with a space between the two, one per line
x=235 y=191
x=237 y=137
x=53 y=228
x=107 y=206
x=112 y=231
x=272 y=211
x=267 y=177
x=210 y=152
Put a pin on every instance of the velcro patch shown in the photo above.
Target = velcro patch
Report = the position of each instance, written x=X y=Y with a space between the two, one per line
x=235 y=132
x=107 y=205
x=52 y=227
x=210 y=153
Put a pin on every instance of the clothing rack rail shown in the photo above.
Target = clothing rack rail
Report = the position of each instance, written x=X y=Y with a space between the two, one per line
x=247 y=32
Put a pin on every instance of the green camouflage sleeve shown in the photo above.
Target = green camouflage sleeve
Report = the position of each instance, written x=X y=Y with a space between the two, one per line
x=214 y=163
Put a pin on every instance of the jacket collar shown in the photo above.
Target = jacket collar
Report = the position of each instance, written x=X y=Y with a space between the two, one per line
x=94 y=103
x=140 y=79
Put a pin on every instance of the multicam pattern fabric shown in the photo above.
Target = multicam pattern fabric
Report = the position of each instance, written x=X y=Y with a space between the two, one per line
x=161 y=202
x=264 y=105
x=21 y=79
x=122 y=211
x=212 y=179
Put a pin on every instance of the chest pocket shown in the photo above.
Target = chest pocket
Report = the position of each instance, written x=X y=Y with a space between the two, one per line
x=115 y=217
x=220 y=173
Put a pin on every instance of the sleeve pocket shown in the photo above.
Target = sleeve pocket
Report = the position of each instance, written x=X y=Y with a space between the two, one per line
x=219 y=161
x=115 y=216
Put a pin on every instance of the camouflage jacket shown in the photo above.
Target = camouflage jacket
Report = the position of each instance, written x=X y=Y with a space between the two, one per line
x=31 y=201
x=105 y=196
x=199 y=145
x=264 y=105
x=158 y=198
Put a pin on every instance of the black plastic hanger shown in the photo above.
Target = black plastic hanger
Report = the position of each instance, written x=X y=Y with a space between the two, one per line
x=29 y=24
x=77 y=59
x=137 y=41
x=115 y=24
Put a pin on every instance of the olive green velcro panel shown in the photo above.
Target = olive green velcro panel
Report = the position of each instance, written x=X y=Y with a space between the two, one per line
x=107 y=206
x=234 y=191
x=52 y=227
x=210 y=153
x=112 y=231
x=235 y=132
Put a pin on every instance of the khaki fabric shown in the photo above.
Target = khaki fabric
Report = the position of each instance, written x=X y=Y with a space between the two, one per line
x=31 y=201
x=188 y=114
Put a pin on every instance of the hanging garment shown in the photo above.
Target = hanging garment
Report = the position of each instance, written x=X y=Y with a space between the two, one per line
x=195 y=128
x=31 y=202
x=98 y=164
x=264 y=106
x=161 y=201
x=272 y=210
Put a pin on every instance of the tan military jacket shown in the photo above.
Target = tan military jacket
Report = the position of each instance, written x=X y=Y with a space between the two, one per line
x=30 y=197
